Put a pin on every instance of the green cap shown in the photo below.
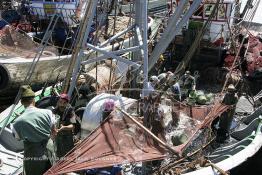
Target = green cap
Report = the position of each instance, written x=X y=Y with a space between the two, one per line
x=27 y=91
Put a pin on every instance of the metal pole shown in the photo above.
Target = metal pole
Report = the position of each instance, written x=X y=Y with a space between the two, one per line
x=110 y=54
x=145 y=46
x=171 y=6
x=116 y=36
x=90 y=13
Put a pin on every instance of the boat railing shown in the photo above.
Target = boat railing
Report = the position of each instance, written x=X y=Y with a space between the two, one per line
x=68 y=15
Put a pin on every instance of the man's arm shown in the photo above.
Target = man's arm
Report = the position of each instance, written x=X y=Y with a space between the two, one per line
x=72 y=121
x=15 y=134
x=193 y=83
x=66 y=128
x=53 y=125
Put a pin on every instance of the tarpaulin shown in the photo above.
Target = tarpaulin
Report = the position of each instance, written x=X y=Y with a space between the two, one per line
x=116 y=141
x=93 y=114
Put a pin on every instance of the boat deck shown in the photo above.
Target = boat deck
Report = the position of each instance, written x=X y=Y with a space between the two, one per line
x=10 y=162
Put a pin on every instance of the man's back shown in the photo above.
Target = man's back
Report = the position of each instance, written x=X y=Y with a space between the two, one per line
x=230 y=99
x=34 y=125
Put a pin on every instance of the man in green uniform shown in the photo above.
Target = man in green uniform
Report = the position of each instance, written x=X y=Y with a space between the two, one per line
x=34 y=127
x=187 y=84
x=64 y=139
x=226 y=118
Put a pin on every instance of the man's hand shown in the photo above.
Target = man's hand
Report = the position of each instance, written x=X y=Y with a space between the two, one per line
x=67 y=128
x=62 y=127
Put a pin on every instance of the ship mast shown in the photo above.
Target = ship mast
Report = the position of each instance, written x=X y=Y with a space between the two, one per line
x=139 y=46
x=82 y=36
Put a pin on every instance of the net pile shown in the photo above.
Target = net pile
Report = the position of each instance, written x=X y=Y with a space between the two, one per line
x=16 y=44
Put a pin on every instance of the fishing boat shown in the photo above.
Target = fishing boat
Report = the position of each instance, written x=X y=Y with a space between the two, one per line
x=18 y=52
x=122 y=138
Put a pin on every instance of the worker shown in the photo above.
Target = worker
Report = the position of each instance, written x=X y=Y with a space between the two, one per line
x=159 y=66
x=162 y=78
x=151 y=86
x=226 y=118
x=175 y=89
x=67 y=122
x=170 y=78
x=187 y=83
x=169 y=74
x=34 y=127
x=109 y=106
x=154 y=81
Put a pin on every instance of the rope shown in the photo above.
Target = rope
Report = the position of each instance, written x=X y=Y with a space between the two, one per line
x=221 y=171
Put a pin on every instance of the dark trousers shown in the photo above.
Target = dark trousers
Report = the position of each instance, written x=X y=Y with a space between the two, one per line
x=225 y=122
x=35 y=158
x=64 y=144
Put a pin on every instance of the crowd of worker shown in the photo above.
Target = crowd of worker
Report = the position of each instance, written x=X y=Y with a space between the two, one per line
x=180 y=88
x=36 y=126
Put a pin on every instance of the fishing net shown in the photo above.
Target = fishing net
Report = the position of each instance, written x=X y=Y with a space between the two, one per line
x=14 y=43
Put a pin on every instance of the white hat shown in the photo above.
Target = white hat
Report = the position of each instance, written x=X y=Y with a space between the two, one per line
x=153 y=78
x=231 y=87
